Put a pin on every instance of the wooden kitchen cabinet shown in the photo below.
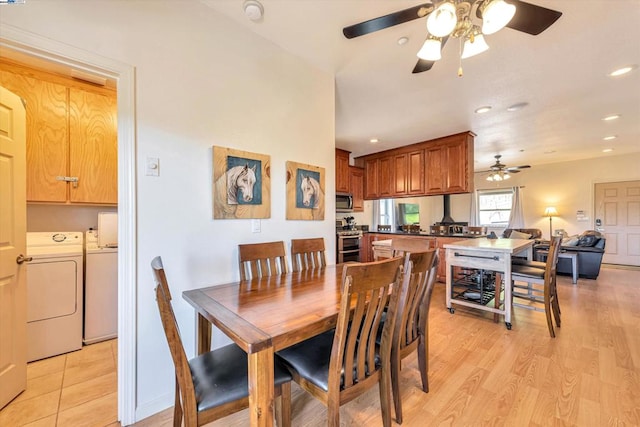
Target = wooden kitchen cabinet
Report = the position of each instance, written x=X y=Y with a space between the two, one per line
x=449 y=165
x=356 y=187
x=71 y=132
x=435 y=167
x=342 y=171
x=409 y=173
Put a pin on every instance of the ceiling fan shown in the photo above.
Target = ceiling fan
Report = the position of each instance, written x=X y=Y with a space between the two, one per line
x=453 y=18
x=499 y=171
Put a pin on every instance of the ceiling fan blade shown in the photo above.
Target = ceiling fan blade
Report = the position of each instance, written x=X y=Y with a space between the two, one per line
x=517 y=168
x=387 y=21
x=424 y=64
x=532 y=19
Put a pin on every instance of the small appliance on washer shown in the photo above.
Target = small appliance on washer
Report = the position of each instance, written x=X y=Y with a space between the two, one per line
x=54 y=293
x=101 y=280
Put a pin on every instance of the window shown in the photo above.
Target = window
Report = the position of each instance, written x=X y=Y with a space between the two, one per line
x=494 y=207
x=386 y=214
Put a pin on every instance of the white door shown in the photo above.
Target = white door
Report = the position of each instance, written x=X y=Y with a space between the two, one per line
x=618 y=218
x=13 y=242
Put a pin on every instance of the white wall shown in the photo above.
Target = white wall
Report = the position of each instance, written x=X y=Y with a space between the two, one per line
x=201 y=80
x=569 y=186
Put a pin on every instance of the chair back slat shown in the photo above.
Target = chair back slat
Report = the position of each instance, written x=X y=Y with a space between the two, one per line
x=172 y=333
x=368 y=288
x=262 y=259
x=411 y=317
x=307 y=254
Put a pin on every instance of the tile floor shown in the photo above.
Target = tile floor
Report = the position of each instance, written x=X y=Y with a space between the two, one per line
x=73 y=389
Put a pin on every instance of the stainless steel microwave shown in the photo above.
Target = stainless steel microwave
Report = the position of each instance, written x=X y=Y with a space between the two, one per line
x=344 y=202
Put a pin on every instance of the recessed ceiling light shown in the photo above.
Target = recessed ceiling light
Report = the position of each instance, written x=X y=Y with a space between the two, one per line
x=623 y=70
x=607 y=150
x=611 y=117
x=610 y=137
x=374 y=140
x=483 y=109
x=518 y=106
x=549 y=151
x=253 y=10
x=403 y=40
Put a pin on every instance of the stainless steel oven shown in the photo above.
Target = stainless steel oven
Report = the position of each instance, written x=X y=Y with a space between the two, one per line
x=349 y=243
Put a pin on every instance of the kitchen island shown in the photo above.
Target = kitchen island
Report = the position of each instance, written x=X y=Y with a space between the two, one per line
x=441 y=240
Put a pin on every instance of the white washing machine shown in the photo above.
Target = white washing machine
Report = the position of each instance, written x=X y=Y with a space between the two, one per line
x=100 y=290
x=54 y=293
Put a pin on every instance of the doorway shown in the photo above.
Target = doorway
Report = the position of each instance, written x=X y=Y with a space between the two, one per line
x=24 y=43
x=617 y=216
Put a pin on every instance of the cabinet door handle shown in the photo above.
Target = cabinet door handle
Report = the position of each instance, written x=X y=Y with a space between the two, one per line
x=72 y=179
x=21 y=259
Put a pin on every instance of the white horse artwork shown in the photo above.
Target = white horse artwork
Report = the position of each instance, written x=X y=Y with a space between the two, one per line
x=240 y=178
x=311 y=192
x=226 y=192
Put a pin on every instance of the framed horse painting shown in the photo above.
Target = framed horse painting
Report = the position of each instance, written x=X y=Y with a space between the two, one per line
x=305 y=192
x=241 y=184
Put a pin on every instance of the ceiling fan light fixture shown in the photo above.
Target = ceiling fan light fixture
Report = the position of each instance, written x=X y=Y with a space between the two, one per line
x=431 y=49
x=443 y=20
x=474 y=46
x=496 y=15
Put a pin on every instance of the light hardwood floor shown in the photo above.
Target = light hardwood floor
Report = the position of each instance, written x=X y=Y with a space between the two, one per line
x=480 y=373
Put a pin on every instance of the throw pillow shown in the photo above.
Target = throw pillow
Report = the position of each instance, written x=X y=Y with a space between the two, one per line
x=518 y=235
x=588 y=241
x=571 y=241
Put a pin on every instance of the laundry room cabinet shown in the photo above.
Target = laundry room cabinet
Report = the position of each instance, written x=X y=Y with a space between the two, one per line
x=71 y=137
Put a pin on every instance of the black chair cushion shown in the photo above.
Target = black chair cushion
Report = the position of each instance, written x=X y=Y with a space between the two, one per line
x=310 y=358
x=525 y=270
x=523 y=261
x=221 y=376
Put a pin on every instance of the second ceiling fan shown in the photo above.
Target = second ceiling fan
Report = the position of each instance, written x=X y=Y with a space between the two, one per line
x=453 y=18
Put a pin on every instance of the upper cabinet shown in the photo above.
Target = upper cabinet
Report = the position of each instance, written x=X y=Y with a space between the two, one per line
x=439 y=166
x=71 y=137
x=349 y=179
x=342 y=171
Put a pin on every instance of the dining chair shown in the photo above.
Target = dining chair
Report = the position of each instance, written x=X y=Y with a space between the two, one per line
x=307 y=254
x=262 y=259
x=540 y=292
x=402 y=245
x=411 y=330
x=337 y=366
x=214 y=384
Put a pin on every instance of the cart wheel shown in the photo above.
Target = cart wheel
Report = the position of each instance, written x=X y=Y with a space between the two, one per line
x=452 y=310
x=508 y=325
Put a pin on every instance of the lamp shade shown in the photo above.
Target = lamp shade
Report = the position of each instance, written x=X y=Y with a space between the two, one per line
x=471 y=48
x=442 y=20
x=550 y=211
x=496 y=15
x=430 y=49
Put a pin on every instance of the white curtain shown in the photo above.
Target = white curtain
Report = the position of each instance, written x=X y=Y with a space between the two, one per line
x=516 y=219
x=376 y=215
x=473 y=214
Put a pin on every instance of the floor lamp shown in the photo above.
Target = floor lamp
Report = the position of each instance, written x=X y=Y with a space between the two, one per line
x=550 y=212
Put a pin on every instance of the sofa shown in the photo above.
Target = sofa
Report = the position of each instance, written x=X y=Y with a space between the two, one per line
x=590 y=248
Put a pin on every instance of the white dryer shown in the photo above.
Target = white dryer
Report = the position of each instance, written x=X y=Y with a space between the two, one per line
x=100 y=290
x=54 y=293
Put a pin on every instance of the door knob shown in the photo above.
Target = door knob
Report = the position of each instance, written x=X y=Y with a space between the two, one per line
x=22 y=259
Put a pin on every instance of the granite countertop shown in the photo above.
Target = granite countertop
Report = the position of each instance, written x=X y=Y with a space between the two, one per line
x=426 y=234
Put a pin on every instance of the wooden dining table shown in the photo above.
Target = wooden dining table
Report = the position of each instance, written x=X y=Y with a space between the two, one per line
x=265 y=315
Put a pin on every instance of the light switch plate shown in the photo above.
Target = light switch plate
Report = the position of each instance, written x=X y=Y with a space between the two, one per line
x=153 y=166
x=255 y=226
